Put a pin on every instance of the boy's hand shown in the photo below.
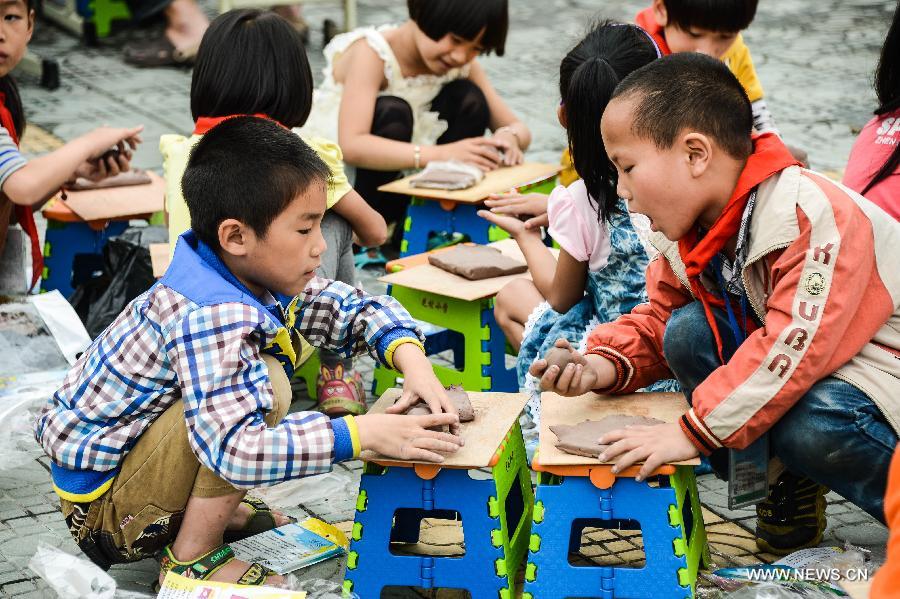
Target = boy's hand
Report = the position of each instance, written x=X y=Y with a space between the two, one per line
x=582 y=374
x=419 y=382
x=408 y=437
x=516 y=204
x=655 y=445
x=109 y=152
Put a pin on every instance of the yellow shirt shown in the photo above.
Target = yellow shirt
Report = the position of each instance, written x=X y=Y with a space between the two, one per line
x=737 y=59
x=176 y=150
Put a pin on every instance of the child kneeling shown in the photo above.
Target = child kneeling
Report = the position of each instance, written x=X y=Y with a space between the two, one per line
x=180 y=406
x=775 y=302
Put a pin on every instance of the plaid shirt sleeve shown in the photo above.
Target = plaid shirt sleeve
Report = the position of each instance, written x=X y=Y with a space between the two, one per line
x=348 y=321
x=226 y=392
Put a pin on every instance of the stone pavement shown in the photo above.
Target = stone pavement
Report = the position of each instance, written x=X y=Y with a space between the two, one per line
x=815 y=60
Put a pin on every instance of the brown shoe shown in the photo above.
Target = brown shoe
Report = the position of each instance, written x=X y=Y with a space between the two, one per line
x=159 y=52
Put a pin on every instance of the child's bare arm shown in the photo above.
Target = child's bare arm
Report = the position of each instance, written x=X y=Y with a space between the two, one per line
x=40 y=178
x=503 y=121
x=568 y=284
x=368 y=226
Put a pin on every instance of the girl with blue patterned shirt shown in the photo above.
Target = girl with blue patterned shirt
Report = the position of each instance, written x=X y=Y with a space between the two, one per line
x=600 y=271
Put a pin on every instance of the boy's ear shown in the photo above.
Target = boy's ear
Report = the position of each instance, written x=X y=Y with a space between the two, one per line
x=235 y=237
x=698 y=151
x=30 y=25
x=660 y=13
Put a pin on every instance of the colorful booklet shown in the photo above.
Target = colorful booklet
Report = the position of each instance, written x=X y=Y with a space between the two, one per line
x=292 y=546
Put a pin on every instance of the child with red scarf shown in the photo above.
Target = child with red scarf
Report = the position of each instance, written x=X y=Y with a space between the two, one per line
x=775 y=302
x=26 y=185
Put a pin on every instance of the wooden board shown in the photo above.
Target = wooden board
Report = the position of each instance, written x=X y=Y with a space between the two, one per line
x=556 y=409
x=432 y=279
x=495 y=414
x=497 y=181
x=160 y=256
x=115 y=202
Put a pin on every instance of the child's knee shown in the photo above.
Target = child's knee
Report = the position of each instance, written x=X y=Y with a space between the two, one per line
x=508 y=302
x=393 y=118
x=686 y=330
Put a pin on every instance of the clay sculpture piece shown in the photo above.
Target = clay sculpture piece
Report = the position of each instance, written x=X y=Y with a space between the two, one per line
x=457 y=395
x=583 y=438
x=558 y=356
x=476 y=262
x=449 y=175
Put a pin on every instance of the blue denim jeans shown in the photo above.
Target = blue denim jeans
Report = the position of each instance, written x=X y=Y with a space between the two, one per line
x=834 y=434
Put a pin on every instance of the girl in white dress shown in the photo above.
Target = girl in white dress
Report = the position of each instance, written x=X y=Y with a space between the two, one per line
x=415 y=93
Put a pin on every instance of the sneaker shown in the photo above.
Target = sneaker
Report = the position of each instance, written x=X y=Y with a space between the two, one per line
x=793 y=515
x=340 y=392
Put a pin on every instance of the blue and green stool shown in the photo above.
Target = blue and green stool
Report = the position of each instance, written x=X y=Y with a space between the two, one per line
x=569 y=499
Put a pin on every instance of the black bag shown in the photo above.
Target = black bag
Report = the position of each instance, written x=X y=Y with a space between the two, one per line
x=126 y=274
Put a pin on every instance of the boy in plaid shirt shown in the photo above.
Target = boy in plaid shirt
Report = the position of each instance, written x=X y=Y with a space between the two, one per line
x=179 y=407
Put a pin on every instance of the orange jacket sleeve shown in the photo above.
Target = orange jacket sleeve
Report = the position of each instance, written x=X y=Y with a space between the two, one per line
x=886 y=584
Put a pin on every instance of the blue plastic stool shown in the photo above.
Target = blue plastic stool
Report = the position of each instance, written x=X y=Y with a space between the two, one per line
x=427 y=216
x=65 y=241
x=569 y=498
x=495 y=513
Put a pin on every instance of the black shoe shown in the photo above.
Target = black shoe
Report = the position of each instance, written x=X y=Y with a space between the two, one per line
x=793 y=515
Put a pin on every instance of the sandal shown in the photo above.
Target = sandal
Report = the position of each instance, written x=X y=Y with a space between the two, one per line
x=340 y=392
x=208 y=564
x=260 y=520
x=159 y=52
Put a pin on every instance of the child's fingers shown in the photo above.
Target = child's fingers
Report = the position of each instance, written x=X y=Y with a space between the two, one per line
x=564 y=381
x=653 y=461
x=421 y=455
x=407 y=399
x=629 y=459
x=435 y=445
x=537 y=367
x=542 y=220
x=445 y=437
x=438 y=419
x=563 y=343
x=112 y=166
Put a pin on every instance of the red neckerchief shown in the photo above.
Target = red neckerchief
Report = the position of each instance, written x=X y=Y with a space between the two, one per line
x=646 y=21
x=770 y=156
x=24 y=214
x=205 y=123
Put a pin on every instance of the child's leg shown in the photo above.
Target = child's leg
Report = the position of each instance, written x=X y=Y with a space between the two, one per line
x=393 y=119
x=462 y=104
x=838 y=437
x=341 y=388
x=512 y=307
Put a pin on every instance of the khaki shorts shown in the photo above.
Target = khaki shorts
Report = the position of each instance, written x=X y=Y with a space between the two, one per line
x=142 y=510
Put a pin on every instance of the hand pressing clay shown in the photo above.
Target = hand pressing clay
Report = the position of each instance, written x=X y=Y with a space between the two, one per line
x=476 y=262
x=558 y=356
x=459 y=398
x=583 y=438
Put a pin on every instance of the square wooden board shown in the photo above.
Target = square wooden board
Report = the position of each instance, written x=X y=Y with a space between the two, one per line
x=497 y=181
x=556 y=409
x=495 y=414
x=432 y=279
x=116 y=202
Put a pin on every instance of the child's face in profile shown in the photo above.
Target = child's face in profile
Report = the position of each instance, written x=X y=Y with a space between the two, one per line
x=286 y=257
x=16 y=27
x=705 y=41
x=660 y=184
x=449 y=52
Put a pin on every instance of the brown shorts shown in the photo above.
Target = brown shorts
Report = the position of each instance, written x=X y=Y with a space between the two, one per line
x=142 y=510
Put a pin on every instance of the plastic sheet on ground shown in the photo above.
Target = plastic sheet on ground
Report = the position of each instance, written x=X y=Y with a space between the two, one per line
x=21 y=399
x=337 y=483
x=71 y=577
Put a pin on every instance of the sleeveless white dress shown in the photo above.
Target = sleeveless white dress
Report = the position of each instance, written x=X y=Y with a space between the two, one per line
x=418 y=91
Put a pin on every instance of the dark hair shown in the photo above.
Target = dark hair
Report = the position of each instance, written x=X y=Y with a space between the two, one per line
x=588 y=75
x=10 y=89
x=252 y=61
x=465 y=18
x=887 y=88
x=249 y=169
x=713 y=15
x=693 y=91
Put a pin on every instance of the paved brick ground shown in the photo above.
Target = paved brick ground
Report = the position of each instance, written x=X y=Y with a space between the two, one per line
x=815 y=61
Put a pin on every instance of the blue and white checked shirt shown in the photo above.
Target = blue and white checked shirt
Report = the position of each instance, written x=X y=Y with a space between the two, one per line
x=196 y=337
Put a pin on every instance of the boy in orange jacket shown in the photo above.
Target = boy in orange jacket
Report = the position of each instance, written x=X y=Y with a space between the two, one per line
x=776 y=307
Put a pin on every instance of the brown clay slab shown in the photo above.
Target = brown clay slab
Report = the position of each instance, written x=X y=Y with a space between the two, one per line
x=583 y=438
x=476 y=262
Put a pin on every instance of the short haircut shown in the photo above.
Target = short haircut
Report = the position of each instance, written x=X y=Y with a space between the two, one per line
x=252 y=61
x=249 y=169
x=713 y=15
x=465 y=18
x=691 y=91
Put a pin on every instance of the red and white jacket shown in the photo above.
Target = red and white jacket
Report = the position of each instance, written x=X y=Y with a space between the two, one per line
x=822 y=274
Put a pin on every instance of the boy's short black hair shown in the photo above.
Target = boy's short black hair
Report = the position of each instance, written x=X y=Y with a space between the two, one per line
x=252 y=61
x=712 y=15
x=249 y=169
x=465 y=18
x=692 y=91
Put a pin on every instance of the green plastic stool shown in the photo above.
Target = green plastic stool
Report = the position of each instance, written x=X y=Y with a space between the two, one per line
x=495 y=512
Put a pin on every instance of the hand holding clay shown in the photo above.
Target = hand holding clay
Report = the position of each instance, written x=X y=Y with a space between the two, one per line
x=580 y=374
x=420 y=384
x=460 y=400
x=559 y=357
x=408 y=438
x=654 y=445
x=584 y=438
